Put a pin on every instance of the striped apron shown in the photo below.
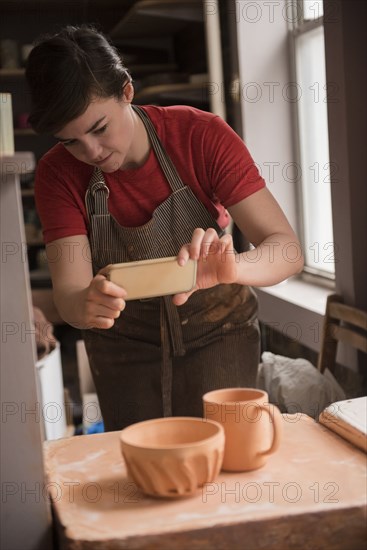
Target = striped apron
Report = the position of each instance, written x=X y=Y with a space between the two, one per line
x=159 y=359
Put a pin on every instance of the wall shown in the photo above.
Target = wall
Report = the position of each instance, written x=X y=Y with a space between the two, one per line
x=269 y=133
x=345 y=45
x=265 y=91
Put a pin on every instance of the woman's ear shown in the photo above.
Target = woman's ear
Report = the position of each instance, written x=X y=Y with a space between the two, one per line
x=128 y=93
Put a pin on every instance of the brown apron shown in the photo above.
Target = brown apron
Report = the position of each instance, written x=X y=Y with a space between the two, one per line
x=159 y=359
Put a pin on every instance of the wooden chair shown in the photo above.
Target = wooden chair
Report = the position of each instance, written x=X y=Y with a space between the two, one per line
x=342 y=323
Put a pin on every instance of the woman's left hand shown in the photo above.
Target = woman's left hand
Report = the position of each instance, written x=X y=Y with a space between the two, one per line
x=217 y=261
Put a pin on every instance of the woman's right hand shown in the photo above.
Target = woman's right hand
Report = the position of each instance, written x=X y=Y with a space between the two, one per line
x=103 y=302
x=82 y=300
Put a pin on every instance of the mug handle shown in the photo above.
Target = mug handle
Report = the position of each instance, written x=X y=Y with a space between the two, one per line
x=277 y=420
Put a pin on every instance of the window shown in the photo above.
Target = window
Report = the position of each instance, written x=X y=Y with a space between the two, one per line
x=307 y=38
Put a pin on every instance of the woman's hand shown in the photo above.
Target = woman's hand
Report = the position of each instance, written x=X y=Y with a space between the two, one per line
x=217 y=261
x=103 y=302
x=82 y=299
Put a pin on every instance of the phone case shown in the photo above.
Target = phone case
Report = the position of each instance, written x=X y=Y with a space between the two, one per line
x=151 y=278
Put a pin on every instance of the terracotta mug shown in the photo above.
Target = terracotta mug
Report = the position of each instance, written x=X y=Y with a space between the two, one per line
x=252 y=426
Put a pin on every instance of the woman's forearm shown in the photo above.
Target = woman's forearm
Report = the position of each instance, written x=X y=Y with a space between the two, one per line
x=274 y=260
x=70 y=304
x=94 y=306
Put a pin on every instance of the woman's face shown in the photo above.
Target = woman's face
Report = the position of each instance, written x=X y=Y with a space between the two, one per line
x=105 y=135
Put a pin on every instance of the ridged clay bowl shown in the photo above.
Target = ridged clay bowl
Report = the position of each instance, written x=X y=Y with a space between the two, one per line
x=173 y=456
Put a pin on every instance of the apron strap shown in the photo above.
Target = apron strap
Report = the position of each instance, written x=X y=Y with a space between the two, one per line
x=165 y=161
x=172 y=345
x=96 y=197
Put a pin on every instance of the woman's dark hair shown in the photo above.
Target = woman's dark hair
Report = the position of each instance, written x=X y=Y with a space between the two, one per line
x=66 y=70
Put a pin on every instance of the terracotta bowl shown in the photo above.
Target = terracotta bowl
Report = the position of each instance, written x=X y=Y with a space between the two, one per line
x=174 y=456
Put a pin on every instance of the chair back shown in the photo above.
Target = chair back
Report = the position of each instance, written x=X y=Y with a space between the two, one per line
x=342 y=323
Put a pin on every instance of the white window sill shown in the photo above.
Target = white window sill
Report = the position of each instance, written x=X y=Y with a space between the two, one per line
x=301 y=293
x=295 y=308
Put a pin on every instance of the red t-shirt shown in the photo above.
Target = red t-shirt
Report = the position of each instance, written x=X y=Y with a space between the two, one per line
x=209 y=156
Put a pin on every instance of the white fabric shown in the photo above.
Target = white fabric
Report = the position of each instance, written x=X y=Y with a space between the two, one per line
x=295 y=385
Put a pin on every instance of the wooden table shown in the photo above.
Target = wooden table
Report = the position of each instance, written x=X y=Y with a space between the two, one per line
x=311 y=494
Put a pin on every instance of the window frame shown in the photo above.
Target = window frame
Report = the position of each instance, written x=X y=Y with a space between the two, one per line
x=297 y=26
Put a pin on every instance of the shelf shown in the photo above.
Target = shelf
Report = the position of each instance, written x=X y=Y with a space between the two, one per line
x=12 y=72
x=35 y=242
x=153 y=18
x=40 y=279
x=27 y=192
x=187 y=92
x=151 y=68
x=39 y=274
x=24 y=132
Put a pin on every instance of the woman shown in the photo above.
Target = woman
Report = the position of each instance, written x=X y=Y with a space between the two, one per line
x=128 y=183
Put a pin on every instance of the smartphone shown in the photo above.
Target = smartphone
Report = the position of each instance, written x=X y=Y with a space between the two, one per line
x=152 y=278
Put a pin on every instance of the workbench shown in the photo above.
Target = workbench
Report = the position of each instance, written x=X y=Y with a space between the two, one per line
x=310 y=494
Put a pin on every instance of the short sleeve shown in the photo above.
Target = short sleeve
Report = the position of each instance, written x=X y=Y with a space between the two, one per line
x=59 y=208
x=231 y=170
